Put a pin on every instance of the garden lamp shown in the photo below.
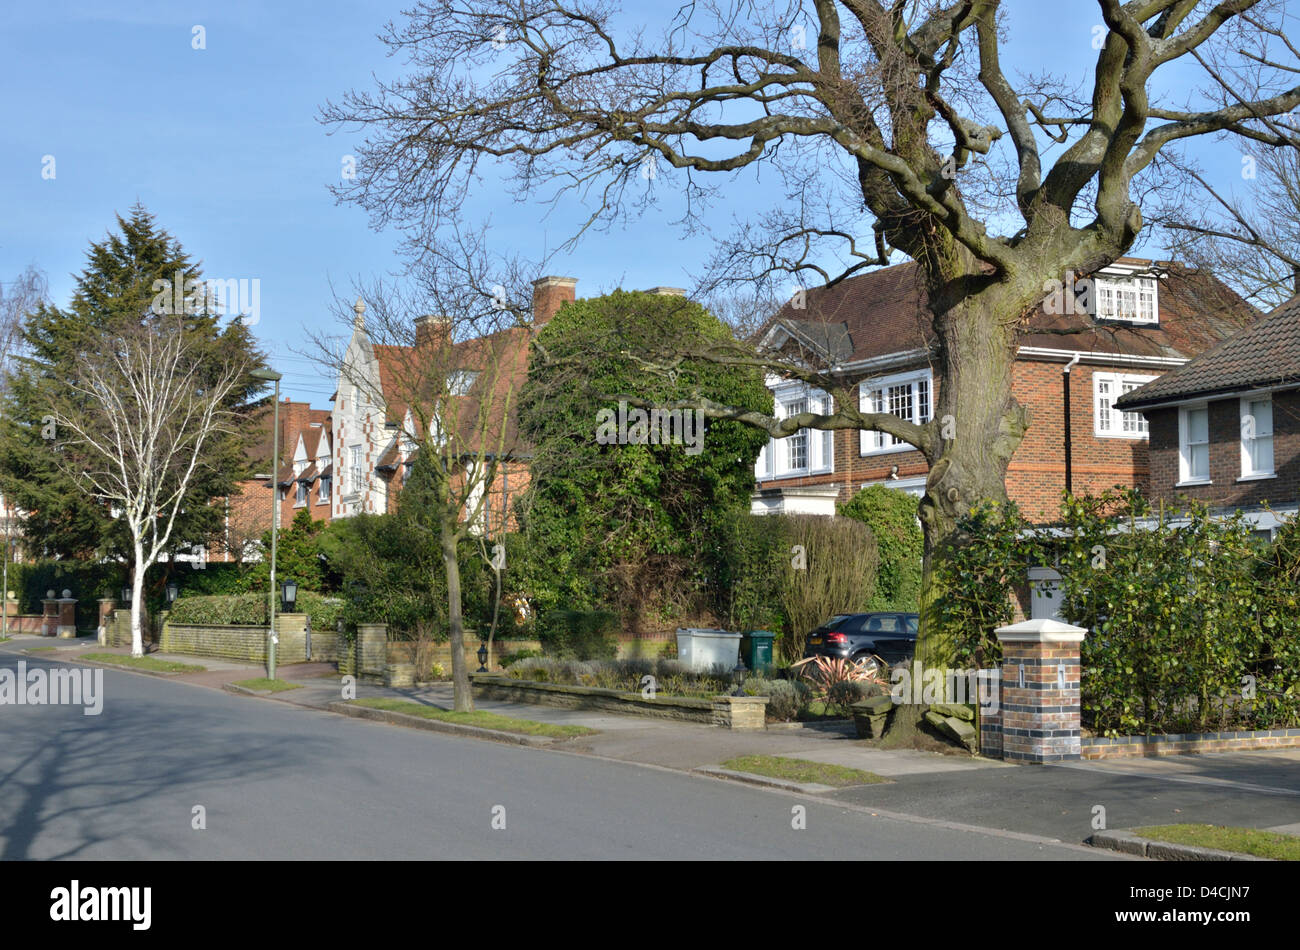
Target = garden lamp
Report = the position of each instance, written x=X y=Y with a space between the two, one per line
x=738 y=677
x=290 y=594
x=126 y=595
x=172 y=591
x=482 y=656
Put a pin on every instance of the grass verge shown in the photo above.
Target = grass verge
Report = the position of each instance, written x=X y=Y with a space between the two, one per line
x=1261 y=844
x=802 y=770
x=262 y=684
x=484 y=720
x=41 y=649
x=148 y=663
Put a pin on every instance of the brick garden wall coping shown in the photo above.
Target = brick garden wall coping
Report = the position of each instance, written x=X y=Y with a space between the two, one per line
x=1189 y=743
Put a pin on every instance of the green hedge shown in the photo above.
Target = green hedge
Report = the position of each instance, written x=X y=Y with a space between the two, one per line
x=251 y=609
x=1193 y=622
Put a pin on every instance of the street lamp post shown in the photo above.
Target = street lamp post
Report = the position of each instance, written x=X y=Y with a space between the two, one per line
x=270 y=375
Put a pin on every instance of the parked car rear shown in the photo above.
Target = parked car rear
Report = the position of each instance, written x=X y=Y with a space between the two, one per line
x=886 y=634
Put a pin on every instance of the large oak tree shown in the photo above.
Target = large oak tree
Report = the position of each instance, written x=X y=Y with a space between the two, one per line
x=888 y=129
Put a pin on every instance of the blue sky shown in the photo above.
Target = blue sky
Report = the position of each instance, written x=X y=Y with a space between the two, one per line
x=223 y=146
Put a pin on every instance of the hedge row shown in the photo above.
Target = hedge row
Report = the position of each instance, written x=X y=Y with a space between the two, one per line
x=252 y=609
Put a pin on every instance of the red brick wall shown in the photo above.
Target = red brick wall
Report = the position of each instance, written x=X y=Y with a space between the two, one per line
x=1225 y=455
x=1036 y=475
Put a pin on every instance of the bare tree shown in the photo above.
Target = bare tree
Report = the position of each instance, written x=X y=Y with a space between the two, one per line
x=431 y=375
x=133 y=426
x=18 y=297
x=1251 y=243
x=888 y=129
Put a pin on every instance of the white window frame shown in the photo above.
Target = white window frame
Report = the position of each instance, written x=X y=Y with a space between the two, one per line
x=882 y=443
x=325 y=490
x=819 y=444
x=1126 y=298
x=1248 y=470
x=301 y=493
x=355 y=465
x=1119 y=424
x=1185 y=476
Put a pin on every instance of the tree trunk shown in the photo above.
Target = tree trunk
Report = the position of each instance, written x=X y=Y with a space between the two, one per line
x=464 y=699
x=980 y=426
x=137 y=598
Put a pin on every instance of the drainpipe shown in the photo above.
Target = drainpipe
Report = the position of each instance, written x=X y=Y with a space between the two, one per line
x=1065 y=395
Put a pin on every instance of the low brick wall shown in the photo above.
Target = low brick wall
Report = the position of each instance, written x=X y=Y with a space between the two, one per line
x=729 y=712
x=650 y=647
x=403 y=651
x=26 y=623
x=1128 y=747
x=243 y=642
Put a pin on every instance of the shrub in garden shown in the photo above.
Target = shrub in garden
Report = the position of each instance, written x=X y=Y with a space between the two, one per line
x=791 y=573
x=991 y=552
x=786 y=699
x=891 y=516
x=580 y=634
x=1178 y=611
x=842 y=695
x=620 y=526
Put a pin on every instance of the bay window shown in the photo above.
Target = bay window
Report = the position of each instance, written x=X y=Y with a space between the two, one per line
x=806 y=452
x=908 y=396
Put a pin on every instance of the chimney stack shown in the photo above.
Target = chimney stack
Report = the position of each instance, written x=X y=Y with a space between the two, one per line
x=549 y=294
x=432 y=331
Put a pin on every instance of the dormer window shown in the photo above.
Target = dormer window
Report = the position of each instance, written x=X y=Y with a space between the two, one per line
x=1127 y=298
x=460 y=382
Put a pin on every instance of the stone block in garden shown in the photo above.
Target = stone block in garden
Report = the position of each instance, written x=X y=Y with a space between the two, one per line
x=871 y=716
x=955 y=729
x=963 y=711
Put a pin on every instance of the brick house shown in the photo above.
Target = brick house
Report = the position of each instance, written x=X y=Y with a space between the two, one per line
x=303 y=477
x=1146 y=318
x=1225 y=428
x=371 y=415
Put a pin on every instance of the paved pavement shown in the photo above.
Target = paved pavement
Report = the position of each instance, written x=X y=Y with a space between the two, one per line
x=1255 y=789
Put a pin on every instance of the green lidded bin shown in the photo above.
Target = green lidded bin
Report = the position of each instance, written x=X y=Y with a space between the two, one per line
x=756 y=650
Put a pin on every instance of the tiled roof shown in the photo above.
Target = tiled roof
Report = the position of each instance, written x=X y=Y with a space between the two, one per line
x=501 y=360
x=1266 y=354
x=884 y=312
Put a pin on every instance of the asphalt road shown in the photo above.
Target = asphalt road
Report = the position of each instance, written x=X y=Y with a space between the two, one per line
x=277 y=781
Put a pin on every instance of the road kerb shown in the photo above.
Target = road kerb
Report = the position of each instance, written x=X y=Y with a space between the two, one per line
x=808 y=788
x=1129 y=843
x=435 y=725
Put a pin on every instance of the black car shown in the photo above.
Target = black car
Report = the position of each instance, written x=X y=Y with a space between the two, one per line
x=888 y=635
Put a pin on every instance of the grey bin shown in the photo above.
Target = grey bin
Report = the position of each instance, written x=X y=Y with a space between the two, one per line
x=703 y=649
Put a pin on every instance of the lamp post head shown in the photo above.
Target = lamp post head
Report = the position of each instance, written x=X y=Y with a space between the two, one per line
x=269 y=375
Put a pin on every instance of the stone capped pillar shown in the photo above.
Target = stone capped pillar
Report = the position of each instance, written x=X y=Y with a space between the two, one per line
x=68 y=616
x=1040 y=691
x=49 y=614
x=106 y=607
x=372 y=649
